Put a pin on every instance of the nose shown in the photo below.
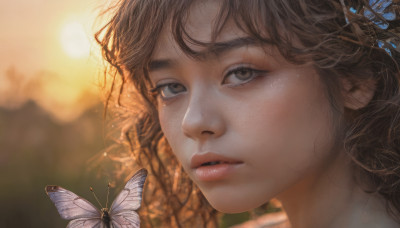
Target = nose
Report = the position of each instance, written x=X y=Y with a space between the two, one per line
x=203 y=117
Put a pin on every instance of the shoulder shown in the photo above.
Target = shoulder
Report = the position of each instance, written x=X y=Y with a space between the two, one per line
x=272 y=220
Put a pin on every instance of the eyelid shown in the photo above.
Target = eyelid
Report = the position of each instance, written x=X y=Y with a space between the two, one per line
x=247 y=67
x=156 y=90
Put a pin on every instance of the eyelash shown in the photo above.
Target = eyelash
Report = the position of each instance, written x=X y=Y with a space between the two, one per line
x=254 y=74
x=156 y=91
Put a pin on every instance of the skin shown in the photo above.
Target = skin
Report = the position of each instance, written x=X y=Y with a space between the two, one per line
x=277 y=120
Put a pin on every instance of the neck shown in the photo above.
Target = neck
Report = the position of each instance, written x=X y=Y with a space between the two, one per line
x=332 y=199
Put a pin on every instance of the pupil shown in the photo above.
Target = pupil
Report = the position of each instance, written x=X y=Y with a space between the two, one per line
x=243 y=74
x=175 y=87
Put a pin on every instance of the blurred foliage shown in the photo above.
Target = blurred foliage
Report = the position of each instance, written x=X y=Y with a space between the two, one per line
x=36 y=151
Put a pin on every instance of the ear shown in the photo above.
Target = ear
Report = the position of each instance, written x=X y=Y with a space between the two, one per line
x=357 y=94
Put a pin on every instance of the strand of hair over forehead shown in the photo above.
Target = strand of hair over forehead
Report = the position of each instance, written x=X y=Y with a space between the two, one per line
x=263 y=25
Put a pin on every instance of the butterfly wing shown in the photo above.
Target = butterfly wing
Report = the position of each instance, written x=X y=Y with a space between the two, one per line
x=71 y=206
x=126 y=219
x=382 y=8
x=85 y=223
x=130 y=198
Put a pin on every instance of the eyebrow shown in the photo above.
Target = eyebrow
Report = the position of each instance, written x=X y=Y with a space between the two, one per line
x=218 y=49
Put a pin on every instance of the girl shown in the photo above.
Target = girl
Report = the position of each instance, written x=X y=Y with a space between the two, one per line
x=293 y=99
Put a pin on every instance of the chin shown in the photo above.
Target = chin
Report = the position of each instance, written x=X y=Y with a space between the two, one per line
x=232 y=205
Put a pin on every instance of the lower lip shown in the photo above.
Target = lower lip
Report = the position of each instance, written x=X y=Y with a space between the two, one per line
x=215 y=172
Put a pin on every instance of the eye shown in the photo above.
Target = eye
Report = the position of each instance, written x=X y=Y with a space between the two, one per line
x=241 y=75
x=168 y=90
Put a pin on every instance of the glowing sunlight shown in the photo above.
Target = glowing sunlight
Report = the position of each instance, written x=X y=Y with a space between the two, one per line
x=74 y=40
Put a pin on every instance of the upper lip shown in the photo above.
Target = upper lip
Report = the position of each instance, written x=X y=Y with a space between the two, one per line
x=201 y=158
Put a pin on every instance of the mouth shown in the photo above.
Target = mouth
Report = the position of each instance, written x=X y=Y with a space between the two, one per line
x=211 y=159
x=217 y=163
x=212 y=167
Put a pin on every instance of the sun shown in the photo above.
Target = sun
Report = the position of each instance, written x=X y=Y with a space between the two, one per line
x=74 y=40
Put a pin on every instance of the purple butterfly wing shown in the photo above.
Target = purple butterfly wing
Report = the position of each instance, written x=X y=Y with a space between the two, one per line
x=126 y=219
x=130 y=198
x=85 y=223
x=71 y=206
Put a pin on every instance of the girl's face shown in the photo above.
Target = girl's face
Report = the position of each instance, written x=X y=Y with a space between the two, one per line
x=245 y=124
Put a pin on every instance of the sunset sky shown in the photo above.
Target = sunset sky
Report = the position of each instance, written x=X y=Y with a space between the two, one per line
x=47 y=54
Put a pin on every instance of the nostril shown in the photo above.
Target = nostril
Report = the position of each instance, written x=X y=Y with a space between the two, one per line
x=207 y=132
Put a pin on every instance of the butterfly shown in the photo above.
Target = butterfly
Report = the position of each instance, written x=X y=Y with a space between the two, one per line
x=380 y=12
x=382 y=8
x=83 y=214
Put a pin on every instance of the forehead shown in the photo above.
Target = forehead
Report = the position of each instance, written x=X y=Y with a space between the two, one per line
x=199 y=25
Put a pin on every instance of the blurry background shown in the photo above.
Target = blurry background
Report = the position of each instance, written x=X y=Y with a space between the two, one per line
x=50 y=113
x=51 y=123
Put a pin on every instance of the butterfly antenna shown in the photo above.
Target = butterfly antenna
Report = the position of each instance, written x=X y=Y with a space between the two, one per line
x=94 y=194
x=108 y=193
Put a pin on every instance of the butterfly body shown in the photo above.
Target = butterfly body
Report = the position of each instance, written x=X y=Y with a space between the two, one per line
x=105 y=217
x=83 y=214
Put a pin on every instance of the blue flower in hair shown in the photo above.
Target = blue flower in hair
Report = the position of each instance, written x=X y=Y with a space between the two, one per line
x=379 y=12
x=382 y=44
x=380 y=7
x=387 y=45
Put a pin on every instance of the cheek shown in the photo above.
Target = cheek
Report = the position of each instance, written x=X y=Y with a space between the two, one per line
x=170 y=118
x=169 y=123
x=295 y=133
x=288 y=136
x=301 y=136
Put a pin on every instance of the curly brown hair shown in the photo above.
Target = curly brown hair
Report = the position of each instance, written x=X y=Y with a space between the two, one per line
x=339 y=45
